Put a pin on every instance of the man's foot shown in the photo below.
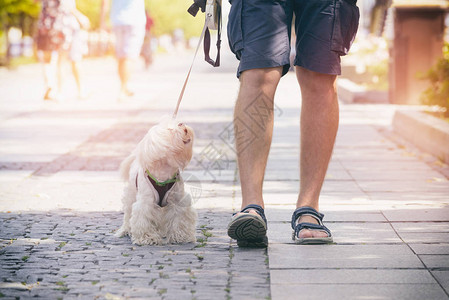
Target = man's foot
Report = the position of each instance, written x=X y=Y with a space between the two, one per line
x=249 y=227
x=50 y=95
x=308 y=227
x=307 y=233
x=125 y=93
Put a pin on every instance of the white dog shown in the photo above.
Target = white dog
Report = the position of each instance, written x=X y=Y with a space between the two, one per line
x=156 y=208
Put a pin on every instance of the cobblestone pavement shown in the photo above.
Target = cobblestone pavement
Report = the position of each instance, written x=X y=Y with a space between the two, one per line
x=69 y=255
x=384 y=200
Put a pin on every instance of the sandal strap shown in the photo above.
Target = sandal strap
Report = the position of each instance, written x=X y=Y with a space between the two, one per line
x=306 y=211
x=259 y=210
x=311 y=226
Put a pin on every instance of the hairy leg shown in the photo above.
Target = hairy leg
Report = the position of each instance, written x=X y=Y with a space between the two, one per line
x=128 y=199
x=49 y=61
x=124 y=71
x=60 y=70
x=145 y=222
x=253 y=127
x=76 y=75
x=319 y=125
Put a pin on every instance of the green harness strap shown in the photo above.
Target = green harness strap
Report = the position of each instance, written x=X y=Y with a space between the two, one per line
x=163 y=183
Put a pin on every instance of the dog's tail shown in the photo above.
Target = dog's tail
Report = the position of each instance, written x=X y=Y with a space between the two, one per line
x=125 y=166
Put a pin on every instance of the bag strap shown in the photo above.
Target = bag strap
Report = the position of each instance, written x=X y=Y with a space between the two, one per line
x=207 y=58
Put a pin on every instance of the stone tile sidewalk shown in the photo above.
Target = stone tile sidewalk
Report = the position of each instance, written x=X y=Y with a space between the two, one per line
x=385 y=202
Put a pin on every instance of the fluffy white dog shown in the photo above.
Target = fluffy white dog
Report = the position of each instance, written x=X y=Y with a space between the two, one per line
x=157 y=210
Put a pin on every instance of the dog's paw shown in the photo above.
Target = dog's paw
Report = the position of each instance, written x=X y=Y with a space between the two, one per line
x=147 y=240
x=121 y=232
x=181 y=239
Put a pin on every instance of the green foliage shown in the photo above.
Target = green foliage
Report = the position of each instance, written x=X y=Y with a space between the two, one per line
x=22 y=60
x=170 y=15
x=438 y=76
x=370 y=55
x=16 y=13
x=91 y=9
x=19 y=13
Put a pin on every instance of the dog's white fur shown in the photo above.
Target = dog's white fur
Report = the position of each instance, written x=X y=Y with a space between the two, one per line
x=164 y=151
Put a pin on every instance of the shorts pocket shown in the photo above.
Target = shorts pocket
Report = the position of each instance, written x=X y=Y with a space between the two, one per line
x=235 y=36
x=346 y=23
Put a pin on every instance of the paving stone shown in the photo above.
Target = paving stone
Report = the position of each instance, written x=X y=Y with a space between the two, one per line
x=343 y=233
x=329 y=186
x=363 y=154
x=350 y=276
x=356 y=291
x=342 y=256
x=396 y=175
x=428 y=237
x=368 y=166
x=421 y=227
x=429 y=199
x=277 y=213
x=403 y=186
x=435 y=261
x=430 y=248
x=443 y=278
x=426 y=214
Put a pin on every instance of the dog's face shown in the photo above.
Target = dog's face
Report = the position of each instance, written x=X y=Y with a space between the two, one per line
x=166 y=143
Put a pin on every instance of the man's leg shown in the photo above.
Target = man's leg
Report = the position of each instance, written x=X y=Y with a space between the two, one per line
x=253 y=129
x=76 y=75
x=319 y=125
x=126 y=46
x=50 y=64
x=124 y=74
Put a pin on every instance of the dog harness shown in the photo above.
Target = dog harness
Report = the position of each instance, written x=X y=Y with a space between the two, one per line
x=161 y=187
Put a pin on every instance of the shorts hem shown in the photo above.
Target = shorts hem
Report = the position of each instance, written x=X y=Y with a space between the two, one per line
x=320 y=69
x=262 y=64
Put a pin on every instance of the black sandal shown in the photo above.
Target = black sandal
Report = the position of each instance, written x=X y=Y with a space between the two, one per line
x=250 y=230
x=309 y=211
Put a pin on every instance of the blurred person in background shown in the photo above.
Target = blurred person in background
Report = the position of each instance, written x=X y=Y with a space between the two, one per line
x=147 y=51
x=128 y=23
x=75 y=45
x=49 y=40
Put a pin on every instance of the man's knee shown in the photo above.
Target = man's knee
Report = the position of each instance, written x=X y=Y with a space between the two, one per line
x=261 y=77
x=315 y=82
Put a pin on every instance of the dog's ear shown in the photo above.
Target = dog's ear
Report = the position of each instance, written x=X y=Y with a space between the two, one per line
x=146 y=151
x=126 y=165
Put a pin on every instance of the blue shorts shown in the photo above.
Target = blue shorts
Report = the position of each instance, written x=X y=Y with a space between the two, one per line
x=128 y=40
x=259 y=33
